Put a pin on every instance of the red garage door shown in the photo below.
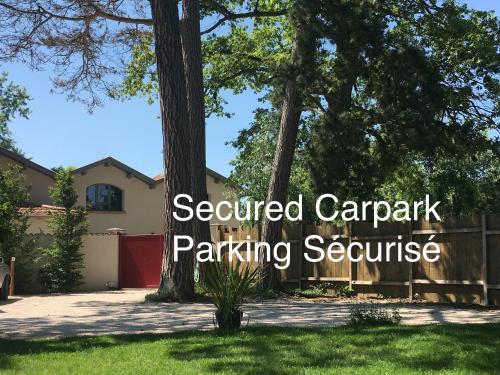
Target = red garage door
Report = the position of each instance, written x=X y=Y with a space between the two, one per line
x=140 y=261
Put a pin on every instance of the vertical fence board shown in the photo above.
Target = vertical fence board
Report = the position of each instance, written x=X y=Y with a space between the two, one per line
x=470 y=257
x=410 y=265
x=485 y=259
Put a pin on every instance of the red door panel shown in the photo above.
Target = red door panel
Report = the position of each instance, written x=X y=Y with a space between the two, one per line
x=140 y=261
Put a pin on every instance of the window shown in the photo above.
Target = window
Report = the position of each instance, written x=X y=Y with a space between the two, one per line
x=103 y=197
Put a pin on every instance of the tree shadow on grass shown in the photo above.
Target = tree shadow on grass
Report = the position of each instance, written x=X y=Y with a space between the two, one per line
x=470 y=349
x=275 y=350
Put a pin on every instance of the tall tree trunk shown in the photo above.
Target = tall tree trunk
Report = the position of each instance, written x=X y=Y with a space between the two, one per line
x=193 y=68
x=291 y=110
x=176 y=282
x=302 y=67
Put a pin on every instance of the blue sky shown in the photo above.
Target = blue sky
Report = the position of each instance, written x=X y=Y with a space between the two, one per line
x=60 y=132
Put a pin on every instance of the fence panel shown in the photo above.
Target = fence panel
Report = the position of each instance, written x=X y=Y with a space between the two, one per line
x=468 y=270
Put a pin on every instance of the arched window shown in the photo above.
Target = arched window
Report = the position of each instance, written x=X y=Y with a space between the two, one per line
x=104 y=197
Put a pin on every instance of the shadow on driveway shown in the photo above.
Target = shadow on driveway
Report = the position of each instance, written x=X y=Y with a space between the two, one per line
x=122 y=312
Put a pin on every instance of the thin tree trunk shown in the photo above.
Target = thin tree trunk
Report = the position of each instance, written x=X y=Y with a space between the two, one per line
x=280 y=175
x=193 y=68
x=176 y=282
x=302 y=67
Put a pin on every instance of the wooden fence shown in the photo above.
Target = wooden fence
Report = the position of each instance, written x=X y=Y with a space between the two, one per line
x=468 y=270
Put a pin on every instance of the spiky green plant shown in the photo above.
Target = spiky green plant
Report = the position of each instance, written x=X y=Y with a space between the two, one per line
x=229 y=284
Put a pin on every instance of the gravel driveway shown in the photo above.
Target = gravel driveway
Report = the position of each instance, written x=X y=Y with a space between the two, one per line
x=125 y=311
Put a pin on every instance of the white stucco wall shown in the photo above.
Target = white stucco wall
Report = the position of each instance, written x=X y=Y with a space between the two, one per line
x=101 y=261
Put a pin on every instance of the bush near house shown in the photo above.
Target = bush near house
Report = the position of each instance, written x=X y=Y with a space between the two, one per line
x=13 y=225
x=62 y=271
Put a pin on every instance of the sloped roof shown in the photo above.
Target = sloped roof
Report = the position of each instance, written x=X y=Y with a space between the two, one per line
x=210 y=172
x=26 y=162
x=105 y=161
x=118 y=164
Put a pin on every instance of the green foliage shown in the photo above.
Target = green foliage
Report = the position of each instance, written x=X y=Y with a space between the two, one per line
x=243 y=55
x=13 y=101
x=312 y=291
x=198 y=289
x=253 y=163
x=262 y=293
x=64 y=260
x=464 y=184
x=140 y=77
x=14 y=241
x=402 y=95
x=381 y=131
x=252 y=55
x=320 y=290
x=373 y=315
x=415 y=79
x=345 y=291
x=229 y=284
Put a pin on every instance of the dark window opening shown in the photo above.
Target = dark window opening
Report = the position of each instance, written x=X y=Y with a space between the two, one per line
x=104 y=197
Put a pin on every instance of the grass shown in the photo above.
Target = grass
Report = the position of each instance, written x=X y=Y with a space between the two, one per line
x=443 y=349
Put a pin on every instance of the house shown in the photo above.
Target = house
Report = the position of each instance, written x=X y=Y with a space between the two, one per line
x=37 y=177
x=114 y=194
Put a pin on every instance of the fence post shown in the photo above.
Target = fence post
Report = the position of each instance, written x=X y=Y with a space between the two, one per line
x=12 y=275
x=349 y=235
x=410 y=276
x=485 y=260
x=221 y=233
x=301 y=253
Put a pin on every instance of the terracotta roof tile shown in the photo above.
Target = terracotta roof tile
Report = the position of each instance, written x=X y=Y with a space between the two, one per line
x=41 y=211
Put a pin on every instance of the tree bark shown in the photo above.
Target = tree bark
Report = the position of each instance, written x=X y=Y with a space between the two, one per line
x=291 y=110
x=176 y=282
x=193 y=68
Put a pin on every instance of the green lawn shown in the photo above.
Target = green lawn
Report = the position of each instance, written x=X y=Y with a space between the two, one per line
x=445 y=349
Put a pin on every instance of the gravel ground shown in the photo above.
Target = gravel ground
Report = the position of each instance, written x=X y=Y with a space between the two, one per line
x=124 y=311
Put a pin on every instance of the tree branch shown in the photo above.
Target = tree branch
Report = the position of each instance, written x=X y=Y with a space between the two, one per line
x=230 y=16
x=118 y=18
x=98 y=12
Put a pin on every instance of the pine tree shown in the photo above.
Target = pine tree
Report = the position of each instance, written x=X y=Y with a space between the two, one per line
x=64 y=259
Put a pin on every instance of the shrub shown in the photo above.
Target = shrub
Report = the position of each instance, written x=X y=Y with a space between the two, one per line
x=345 y=291
x=266 y=293
x=374 y=315
x=62 y=271
x=229 y=284
x=13 y=225
x=316 y=290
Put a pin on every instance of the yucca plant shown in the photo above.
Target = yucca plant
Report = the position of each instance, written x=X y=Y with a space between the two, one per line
x=229 y=284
